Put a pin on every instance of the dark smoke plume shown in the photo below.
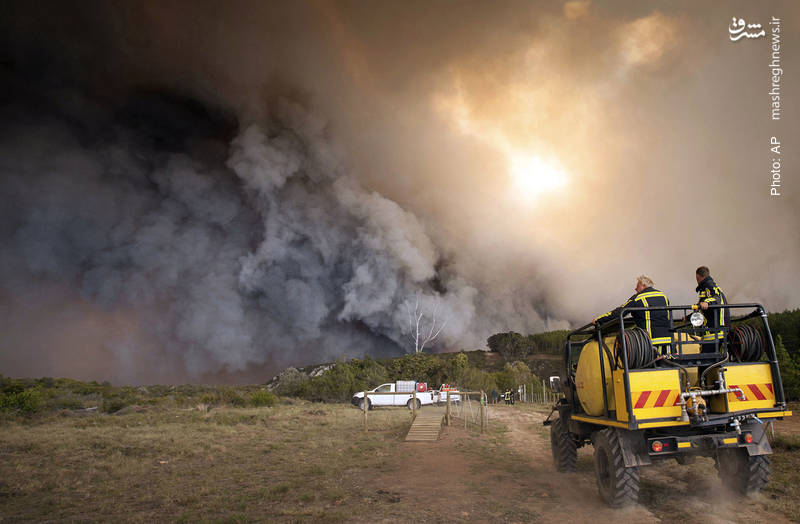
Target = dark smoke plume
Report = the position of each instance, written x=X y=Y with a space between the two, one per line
x=211 y=191
x=229 y=246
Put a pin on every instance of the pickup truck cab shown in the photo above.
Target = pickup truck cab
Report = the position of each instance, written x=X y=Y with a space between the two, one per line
x=400 y=393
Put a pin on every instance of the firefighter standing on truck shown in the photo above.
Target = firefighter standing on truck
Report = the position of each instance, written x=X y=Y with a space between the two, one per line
x=710 y=293
x=656 y=322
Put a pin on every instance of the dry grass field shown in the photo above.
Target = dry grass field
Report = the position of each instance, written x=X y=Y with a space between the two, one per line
x=230 y=464
x=301 y=461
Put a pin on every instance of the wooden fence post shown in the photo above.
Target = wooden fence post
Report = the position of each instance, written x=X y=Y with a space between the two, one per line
x=414 y=403
x=482 y=409
x=366 y=408
x=463 y=412
x=448 y=408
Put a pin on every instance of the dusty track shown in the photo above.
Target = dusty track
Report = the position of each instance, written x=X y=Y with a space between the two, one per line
x=510 y=478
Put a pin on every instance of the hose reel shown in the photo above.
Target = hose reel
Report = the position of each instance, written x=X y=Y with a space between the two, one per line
x=746 y=343
x=639 y=348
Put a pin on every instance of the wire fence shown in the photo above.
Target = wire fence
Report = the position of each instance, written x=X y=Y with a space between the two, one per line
x=529 y=393
x=462 y=406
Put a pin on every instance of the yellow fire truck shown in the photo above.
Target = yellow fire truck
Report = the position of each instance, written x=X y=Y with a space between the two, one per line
x=637 y=404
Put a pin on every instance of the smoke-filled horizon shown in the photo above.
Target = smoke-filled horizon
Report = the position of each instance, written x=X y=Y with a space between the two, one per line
x=206 y=192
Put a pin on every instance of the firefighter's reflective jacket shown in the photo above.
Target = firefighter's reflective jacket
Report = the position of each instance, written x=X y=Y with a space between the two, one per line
x=656 y=323
x=709 y=291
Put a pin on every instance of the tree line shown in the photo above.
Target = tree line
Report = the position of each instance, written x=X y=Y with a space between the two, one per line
x=513 y=345
x=343 y=379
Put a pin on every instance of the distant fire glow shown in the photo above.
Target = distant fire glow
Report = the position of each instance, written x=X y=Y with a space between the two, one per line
x=531 y=176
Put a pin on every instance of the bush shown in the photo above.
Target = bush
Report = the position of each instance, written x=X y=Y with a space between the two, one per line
x=421 y=367
x=475 y=380
x=368 y=373
x=209 y=398
x=290 y=382
x=232 y=397
x=27 y=401
x=337 y=383
x=262 y=398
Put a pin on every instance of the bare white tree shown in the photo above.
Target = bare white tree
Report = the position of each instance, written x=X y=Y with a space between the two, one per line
x=423 y=327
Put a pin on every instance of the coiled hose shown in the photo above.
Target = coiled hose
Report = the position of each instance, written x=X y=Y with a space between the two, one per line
x=639 y=348
x=746 y=343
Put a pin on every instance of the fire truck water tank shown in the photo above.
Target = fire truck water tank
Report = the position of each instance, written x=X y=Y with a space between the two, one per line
x=588 y=380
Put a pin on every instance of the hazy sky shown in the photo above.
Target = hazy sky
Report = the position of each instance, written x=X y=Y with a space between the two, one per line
x=214 y=190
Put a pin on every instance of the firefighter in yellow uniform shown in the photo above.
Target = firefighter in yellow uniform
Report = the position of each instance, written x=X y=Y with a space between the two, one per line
x=715 y=319
x=656 y=322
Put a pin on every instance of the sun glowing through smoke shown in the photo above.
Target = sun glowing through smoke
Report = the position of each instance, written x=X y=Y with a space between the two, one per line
x=531 y=176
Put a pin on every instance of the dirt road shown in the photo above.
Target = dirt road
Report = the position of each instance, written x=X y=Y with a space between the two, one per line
x=509 y=477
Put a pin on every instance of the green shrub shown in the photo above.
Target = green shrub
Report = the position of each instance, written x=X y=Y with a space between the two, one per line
x=209 y=398
x=262 y=398
x=368 y=373
x=291 y=382
x=27 y=401
x=336 y=384
x=421 y=367
x=232 y=397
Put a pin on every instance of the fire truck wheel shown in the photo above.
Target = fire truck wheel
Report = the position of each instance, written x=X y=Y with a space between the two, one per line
x=618 y=485
x=361 y=404
x=410 y=404
x=742 y=473
x=565 y=452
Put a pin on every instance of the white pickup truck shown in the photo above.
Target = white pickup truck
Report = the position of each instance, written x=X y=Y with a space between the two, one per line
x=402 y=395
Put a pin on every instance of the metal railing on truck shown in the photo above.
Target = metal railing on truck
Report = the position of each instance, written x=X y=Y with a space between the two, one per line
x=617 y=325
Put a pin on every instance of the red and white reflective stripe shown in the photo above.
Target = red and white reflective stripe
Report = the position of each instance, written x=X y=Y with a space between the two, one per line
x=662 y=397
x=657 y=398
x=642 y=400
x=759 y=391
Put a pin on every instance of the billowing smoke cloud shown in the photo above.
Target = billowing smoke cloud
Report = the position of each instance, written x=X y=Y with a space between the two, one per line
x=201 y=192
x=229 y=253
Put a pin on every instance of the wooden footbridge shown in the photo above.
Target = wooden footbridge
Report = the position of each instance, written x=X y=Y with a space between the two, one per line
x=427 y=425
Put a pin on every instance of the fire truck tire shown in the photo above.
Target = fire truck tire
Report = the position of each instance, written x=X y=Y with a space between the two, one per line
x=618 y=485
x=565 y=452
x=361 y=404
x=741 y=472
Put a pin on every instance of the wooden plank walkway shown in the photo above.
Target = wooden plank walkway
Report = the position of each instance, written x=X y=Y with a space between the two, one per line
x=427 y=426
